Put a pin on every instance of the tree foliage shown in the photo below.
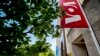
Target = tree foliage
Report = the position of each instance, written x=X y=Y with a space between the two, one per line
x=40 y=48
x=25 y=16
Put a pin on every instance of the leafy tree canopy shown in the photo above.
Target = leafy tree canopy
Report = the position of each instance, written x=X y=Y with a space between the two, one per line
x=40 y=48
x=25 y=16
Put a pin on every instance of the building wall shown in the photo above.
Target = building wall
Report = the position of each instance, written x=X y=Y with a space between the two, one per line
x=91 y=47
x=92 y=10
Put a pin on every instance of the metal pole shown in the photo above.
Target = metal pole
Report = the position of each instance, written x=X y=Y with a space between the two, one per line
x=65 y=48
x=62 y=53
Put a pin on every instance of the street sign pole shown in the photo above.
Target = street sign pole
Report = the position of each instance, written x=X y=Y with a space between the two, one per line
x=65 y=44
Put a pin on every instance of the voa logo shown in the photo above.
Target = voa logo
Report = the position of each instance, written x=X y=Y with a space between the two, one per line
x=72 y=12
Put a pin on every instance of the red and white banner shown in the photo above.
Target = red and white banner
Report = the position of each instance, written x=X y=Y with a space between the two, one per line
x=75 y=17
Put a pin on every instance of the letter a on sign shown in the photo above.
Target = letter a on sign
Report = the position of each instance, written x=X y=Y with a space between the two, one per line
x=75 y=17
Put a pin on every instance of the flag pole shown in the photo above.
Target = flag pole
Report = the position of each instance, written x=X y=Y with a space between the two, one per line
x=91 y=31
x=62 y=52
x=65 y=47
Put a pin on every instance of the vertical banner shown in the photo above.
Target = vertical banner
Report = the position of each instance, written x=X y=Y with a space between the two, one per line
x=74 y=17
